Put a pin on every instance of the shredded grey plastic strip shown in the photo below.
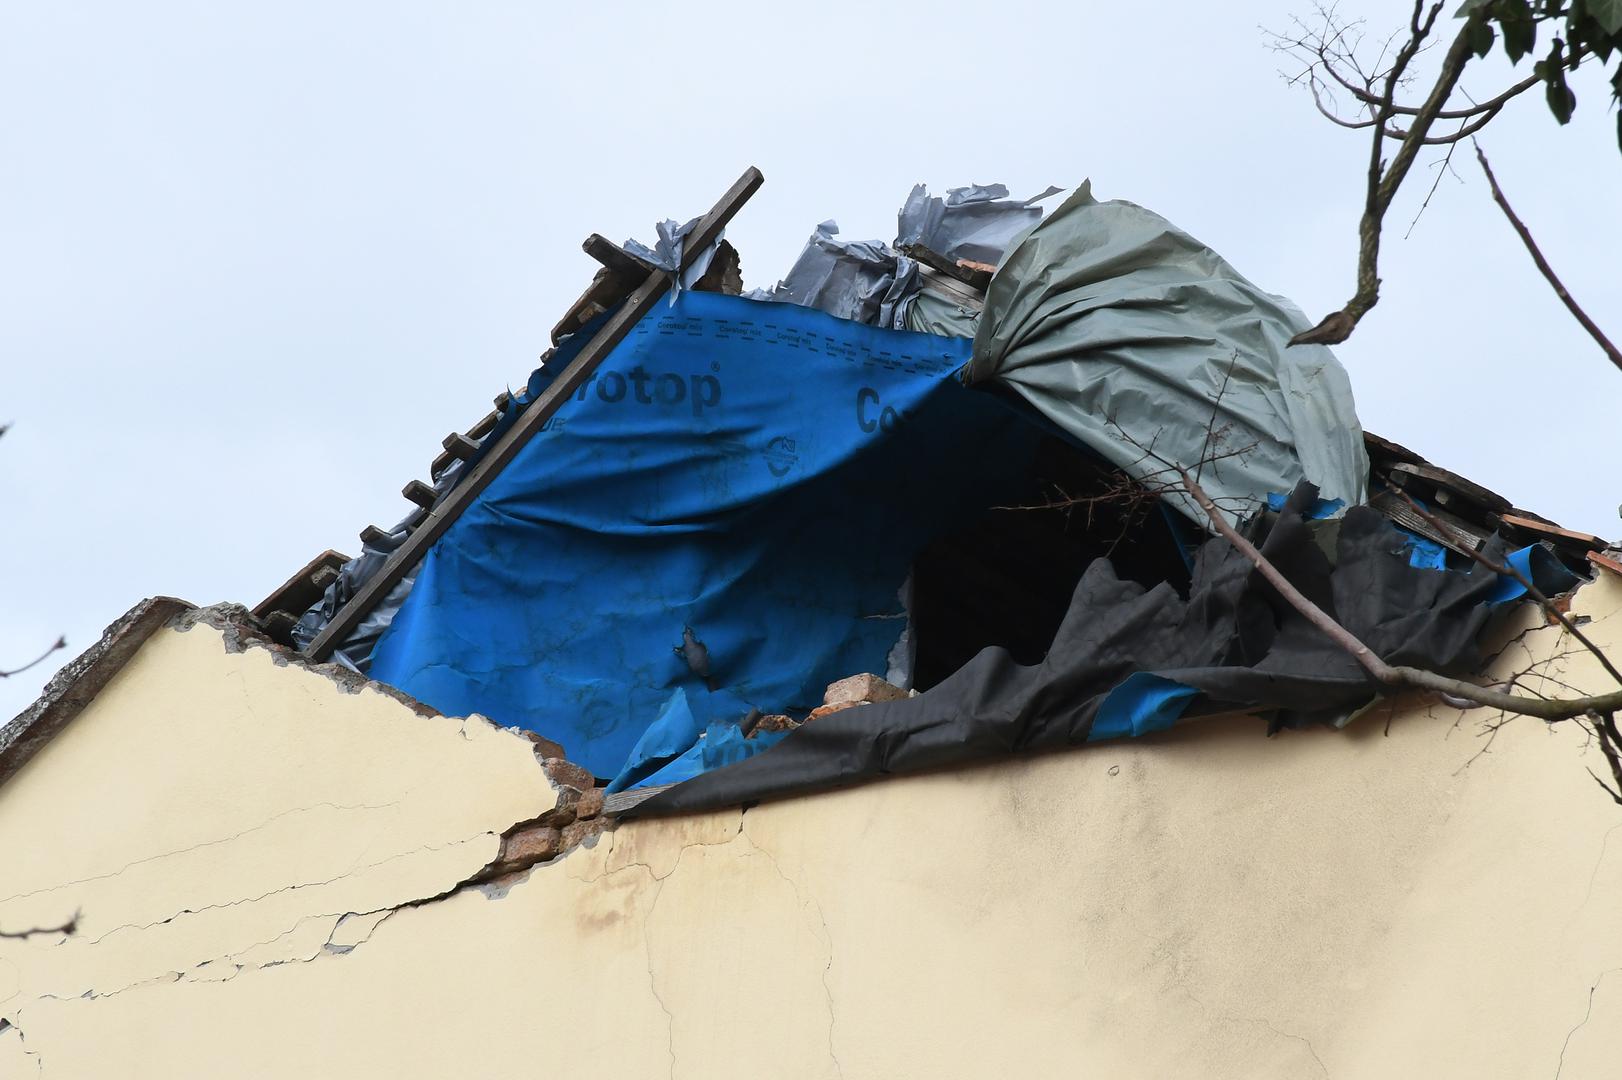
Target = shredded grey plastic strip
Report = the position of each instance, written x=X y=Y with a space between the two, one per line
x=870 y=281
x=667 y=249
x=863 y=280
x=979 y=223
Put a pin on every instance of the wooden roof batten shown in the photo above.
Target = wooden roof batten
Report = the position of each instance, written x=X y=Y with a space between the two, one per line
x=654 y=285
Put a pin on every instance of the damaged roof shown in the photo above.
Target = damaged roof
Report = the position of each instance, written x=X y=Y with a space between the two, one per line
x=932 y=460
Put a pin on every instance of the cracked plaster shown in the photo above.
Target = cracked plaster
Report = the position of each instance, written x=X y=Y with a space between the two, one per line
x=272 y=875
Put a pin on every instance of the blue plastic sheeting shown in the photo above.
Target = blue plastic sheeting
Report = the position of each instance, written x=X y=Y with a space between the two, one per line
x=1140 y=704
x=1538 y=566
x=683 y=741
x=1535 y=563
x=1423 y=553
x=728 y=509
x=1321 y=508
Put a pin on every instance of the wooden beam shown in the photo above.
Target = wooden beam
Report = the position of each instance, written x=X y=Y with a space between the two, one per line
x=279 y=626
x=1553 y=532
x=419 y=493
x=615 y=259
x=304 y=587
x=1607 y=561
x=1443 y=480
x=1403 y=515
x=974 y=275
x=529 y=422
x=460 y=446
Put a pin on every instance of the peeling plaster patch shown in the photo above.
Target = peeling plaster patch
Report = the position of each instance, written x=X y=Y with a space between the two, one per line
x=240 y=632
x=354 y=930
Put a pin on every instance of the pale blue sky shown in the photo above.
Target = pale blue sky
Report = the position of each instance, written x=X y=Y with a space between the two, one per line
x=255 y=261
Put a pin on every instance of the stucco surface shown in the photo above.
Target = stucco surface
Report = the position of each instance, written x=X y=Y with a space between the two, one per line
x=1387 y=901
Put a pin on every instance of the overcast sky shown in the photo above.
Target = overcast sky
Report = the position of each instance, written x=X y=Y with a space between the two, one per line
x=257 y=260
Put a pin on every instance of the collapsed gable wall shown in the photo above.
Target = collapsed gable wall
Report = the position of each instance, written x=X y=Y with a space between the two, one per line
x=1197 y=904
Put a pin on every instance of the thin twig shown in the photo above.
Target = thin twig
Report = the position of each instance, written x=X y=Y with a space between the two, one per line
x=1442 y=167
x=1213 y=434
x=1543 y=266
x=61 y=643
x=1388 y=674
x=1511 y=571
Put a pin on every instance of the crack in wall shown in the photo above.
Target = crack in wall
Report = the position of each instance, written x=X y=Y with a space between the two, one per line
x=354 y=868
x=629 y=864
x=473 y=881
x=198 y=846
x=1588 y=894
x=653 y=978
x=1588 y=1013
x=8 y=1024
x=1268 y=1024
x=825 y=937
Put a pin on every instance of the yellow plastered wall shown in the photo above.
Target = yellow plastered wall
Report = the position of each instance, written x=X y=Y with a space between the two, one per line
x=254 y=854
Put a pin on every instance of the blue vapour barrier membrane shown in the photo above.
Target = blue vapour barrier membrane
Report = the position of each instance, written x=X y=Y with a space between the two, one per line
x=1321 y=509
x=1535 y=563
x=727 y=510
x=1143 y=702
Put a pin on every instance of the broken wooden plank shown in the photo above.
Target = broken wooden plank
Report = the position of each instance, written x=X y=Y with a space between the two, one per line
x=724 y=274
x=973 y=274
x=951 y=289
x=1443 y=480
x=305 y=587
x=615 y=259
x=1553 y=532
x=605 y=292
x=278 y=626
x=1606 y=560
x=1382 y=450
x=529 y=422
x=1454 y=538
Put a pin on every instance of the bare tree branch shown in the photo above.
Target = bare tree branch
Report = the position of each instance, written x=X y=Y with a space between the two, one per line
x=1383 y=179
x=1543 y=266
x=37 y=931
x=1388 y=674
x=1549 y=607
x=1332 y=65
x=61 y=643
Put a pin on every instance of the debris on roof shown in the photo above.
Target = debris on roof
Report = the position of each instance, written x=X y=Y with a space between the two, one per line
x=900 y=511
